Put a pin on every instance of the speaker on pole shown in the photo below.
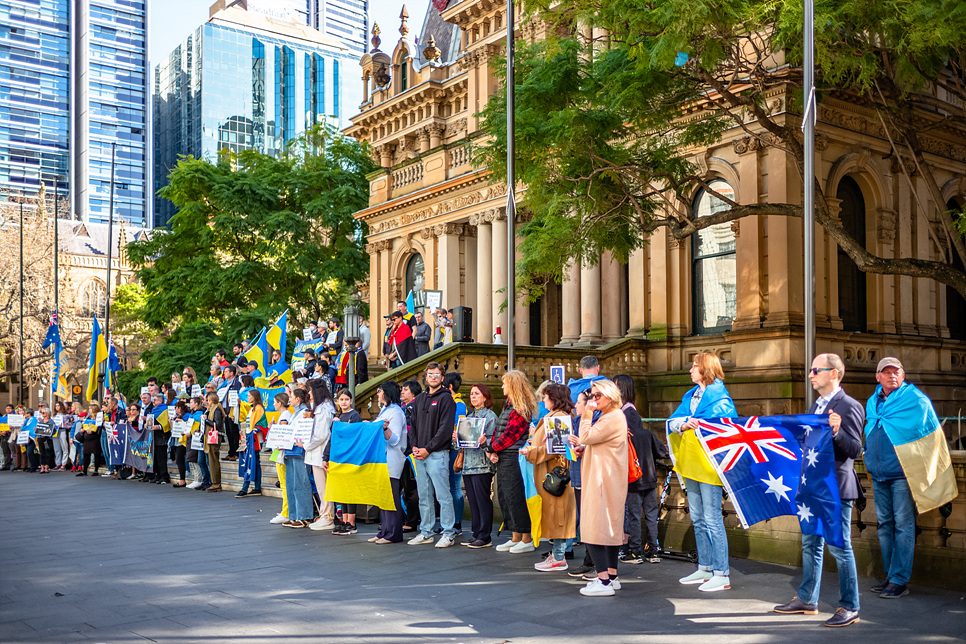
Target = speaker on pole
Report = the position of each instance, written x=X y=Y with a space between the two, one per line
x=462 y=324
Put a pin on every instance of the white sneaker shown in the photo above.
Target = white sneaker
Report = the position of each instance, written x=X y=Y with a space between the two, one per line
x=615 y=584
x=505 y=547
x=278 y=518
x=697 y=577
x=445 y=542
x=718 y=582
x=596 y=588
x=521 y=547
x=550 y=564
x=322 y=523
x=194 y=486
x=419 y=539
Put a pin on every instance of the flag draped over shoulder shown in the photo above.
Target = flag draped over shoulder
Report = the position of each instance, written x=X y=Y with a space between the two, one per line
x=534 y=502
x=778 y=465
x=98 y=355
x=57 y=379
x=910 y=422
x=689 y=459
x=161 y=418
x=358 y=472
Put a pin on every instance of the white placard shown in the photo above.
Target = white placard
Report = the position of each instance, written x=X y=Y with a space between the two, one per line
x=99 y=419
x=178 y=429
x=58 y=420
x=280 y=437
x=172 y=413
x=468 y=432
x=303 y=429
x=196 y=390
x=15 y=420
x=178 y=386
x=196 y=443
x=434 y=299
x=233 y=398
x=307 y=335
x=23 y=438
x=145 y=390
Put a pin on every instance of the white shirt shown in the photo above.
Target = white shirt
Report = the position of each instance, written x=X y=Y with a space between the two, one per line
x=822 y=403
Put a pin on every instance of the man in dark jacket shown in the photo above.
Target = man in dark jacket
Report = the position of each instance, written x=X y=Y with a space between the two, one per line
x=422 y=335
x=847 y=418
x=401 y=341
x=430 y=435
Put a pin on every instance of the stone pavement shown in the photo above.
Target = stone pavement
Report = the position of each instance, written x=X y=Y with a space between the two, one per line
x=97 y=560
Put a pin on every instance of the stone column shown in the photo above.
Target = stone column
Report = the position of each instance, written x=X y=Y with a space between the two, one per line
x=499 y=267
x=590 y=329
x=883 y=286
x=570 y=305
x=678 y=289
x=612 y=292
x=636 y=293
x=748 y=240
x=483 y=314
x=386 y=305
x=468 y=265
x=448 y=236
x=375 y=310
x=786 y=272
x=521 y=311
x=657 y=253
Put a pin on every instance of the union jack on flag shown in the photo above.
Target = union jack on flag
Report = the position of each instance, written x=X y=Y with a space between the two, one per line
x=759 y=460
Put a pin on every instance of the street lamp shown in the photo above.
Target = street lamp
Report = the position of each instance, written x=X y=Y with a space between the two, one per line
x=351 y=323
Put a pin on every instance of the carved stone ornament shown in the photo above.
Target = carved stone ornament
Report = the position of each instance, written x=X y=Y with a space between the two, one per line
x=395 y=288
x=736 y=228
x=886 y=225
x=673 y=243
x=432 y=52
x=896 y=164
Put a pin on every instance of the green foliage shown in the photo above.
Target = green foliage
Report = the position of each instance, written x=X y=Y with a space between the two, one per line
x=606 y=130
x=256 y=235
x=127 y=311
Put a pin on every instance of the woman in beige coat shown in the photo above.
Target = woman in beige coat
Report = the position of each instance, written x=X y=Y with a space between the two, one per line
x=558 y=513
x=603 y=474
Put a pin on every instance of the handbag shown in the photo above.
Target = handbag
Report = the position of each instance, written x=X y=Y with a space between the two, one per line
x=555 y=481
x=458 y=462
x=634 y=471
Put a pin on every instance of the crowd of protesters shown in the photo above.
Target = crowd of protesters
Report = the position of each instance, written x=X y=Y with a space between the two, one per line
x=598 y=495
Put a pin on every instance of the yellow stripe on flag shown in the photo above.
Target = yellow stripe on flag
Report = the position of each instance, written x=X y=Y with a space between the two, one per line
x=368 y=484
x=690 y=461
x=928 y=470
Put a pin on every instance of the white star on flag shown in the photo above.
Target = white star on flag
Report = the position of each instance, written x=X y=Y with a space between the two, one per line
x=812 y=457
x=776 y=487
x=804 y=514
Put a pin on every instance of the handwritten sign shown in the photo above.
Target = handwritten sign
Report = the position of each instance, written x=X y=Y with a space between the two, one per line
x=307 y=335
x=280 y=437
x=178 y=429
x=233 y=398
x=196 y=390
x=303 y=429
x=15 y=420
x=99 y=419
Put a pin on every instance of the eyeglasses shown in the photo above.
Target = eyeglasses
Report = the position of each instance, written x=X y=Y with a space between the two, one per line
x=816 y=370
x=597 y=395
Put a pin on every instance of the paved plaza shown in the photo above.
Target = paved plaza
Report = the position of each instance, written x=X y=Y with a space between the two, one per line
x=98 y=560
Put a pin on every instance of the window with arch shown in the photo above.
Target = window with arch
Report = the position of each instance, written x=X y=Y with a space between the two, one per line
x=851 y=281
x=714 y=275
x=93 y=299
x=415 y=280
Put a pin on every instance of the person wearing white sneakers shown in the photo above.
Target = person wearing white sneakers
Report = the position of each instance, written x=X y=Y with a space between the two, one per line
x=603 y=473
x=558 y=514
x=511 y=433
x=708 y=399
x=322 y=412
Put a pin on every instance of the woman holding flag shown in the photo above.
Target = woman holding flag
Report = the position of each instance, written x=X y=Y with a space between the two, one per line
x=708 y=399
x=394 y=430
x=89 y=435
x=256 y=427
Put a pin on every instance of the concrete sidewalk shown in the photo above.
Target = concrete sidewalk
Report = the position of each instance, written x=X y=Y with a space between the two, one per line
x=93 y=559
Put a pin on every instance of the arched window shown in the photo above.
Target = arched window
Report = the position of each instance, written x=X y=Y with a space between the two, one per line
x=404 y=76
x=713 y=272
x=852 y=291
x=415 y=280
x=92 y=299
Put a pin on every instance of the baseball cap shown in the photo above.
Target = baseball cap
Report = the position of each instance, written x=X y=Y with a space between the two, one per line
x=888 y=362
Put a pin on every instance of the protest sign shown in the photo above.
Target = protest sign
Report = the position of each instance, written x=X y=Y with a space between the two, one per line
x=117 y=443
x=139 y=452
x=196 y=390
x=196 y=443
x=468 y=432
x=44 y=429
x=99 y=420
x=149 y=422
x=23 y=438
x=558 y=431
x=303 y=429
x=58 y=420
x=178 y=428
x=233 y=398
x=15 y=420
x=307 y=335
x=280 y=437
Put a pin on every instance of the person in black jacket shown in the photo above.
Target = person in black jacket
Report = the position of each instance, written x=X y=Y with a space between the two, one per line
x=640 y=493
x=431 y=434
x=422 y=335
x=847 y=418
x=410 y=494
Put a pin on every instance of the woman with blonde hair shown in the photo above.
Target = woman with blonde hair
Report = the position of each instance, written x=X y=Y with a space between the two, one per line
x=511 y=433
x=214 y=430
x=707 y=399
x=603 y=474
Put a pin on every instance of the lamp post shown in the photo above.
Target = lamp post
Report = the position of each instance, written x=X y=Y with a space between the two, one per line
x=351 y=323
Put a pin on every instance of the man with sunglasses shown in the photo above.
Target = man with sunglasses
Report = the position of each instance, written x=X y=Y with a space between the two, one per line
x=847 y=418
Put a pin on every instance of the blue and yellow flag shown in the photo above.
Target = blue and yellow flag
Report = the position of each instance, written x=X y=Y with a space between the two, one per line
x=534 y=502
x=685 y=449
x=358 y=472
x=113 y=367
x=259 y=352
x=98 y=355
x=276 y=335
x=58 y=383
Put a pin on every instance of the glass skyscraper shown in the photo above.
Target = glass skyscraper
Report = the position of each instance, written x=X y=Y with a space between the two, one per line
x=344 y=19
x=72 y=82
x=246 y=80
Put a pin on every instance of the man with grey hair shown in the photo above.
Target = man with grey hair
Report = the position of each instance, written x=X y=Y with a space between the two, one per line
x=847 y=417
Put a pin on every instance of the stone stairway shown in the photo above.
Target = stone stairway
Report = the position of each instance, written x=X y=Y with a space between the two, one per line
x=230 y=481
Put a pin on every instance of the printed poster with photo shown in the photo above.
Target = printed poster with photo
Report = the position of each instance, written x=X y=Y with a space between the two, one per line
x=558 y=430
x=468 y=432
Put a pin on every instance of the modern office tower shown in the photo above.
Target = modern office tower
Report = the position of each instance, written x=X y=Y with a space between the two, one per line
x=344 y=19
x=247 y=79
x=73 y=80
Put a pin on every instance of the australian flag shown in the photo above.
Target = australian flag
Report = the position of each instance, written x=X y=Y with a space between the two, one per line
x=778 y=465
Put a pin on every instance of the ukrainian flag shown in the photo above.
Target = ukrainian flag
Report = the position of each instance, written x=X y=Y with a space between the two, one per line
x=98 y=355
x=163 y=420
x=358 y=472
x=276 y=335
x=113 y=366
x=60 y=357
x=910 y=422
x=4 y=426
x=259 y=352
x=534 y=502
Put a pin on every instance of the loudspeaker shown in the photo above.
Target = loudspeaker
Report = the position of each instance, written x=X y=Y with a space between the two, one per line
x=462 y=324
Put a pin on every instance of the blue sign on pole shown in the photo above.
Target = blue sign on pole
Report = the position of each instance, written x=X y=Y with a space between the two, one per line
x=557 y=373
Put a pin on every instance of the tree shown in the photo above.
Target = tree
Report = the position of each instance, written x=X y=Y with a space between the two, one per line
x=38 y=287
x=256 y=235
x=605 y=151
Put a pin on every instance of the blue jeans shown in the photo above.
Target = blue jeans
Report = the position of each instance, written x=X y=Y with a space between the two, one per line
x=105 y=450
x=456 y=489
x=704 y=505
x=896 y=513
x=205 y=472
x=812 y=553
x=298 y=490
x=559 y=549
x=432 y=478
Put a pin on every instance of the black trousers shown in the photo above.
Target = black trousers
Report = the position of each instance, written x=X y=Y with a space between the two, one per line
x=651 y=510
x=604 y=556
x=45 y=450
x=231 y=431
x=509 y=490
x=392 y=520
x=410 y=495
x=161 y=456
x=478 y=493
x=179 y=452
x=588 y=561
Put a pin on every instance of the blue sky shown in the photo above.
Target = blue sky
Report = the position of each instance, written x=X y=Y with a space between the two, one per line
x=172 y=20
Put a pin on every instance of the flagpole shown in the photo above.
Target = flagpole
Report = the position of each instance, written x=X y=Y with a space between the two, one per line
x=808 y=126
x=110 y=248
x=510 y=186
x=21 y=302
x=53 y=385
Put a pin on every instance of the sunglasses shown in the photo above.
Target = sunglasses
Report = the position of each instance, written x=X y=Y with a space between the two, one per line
x=597 y=395
x=817 y=370
x=434 y=375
